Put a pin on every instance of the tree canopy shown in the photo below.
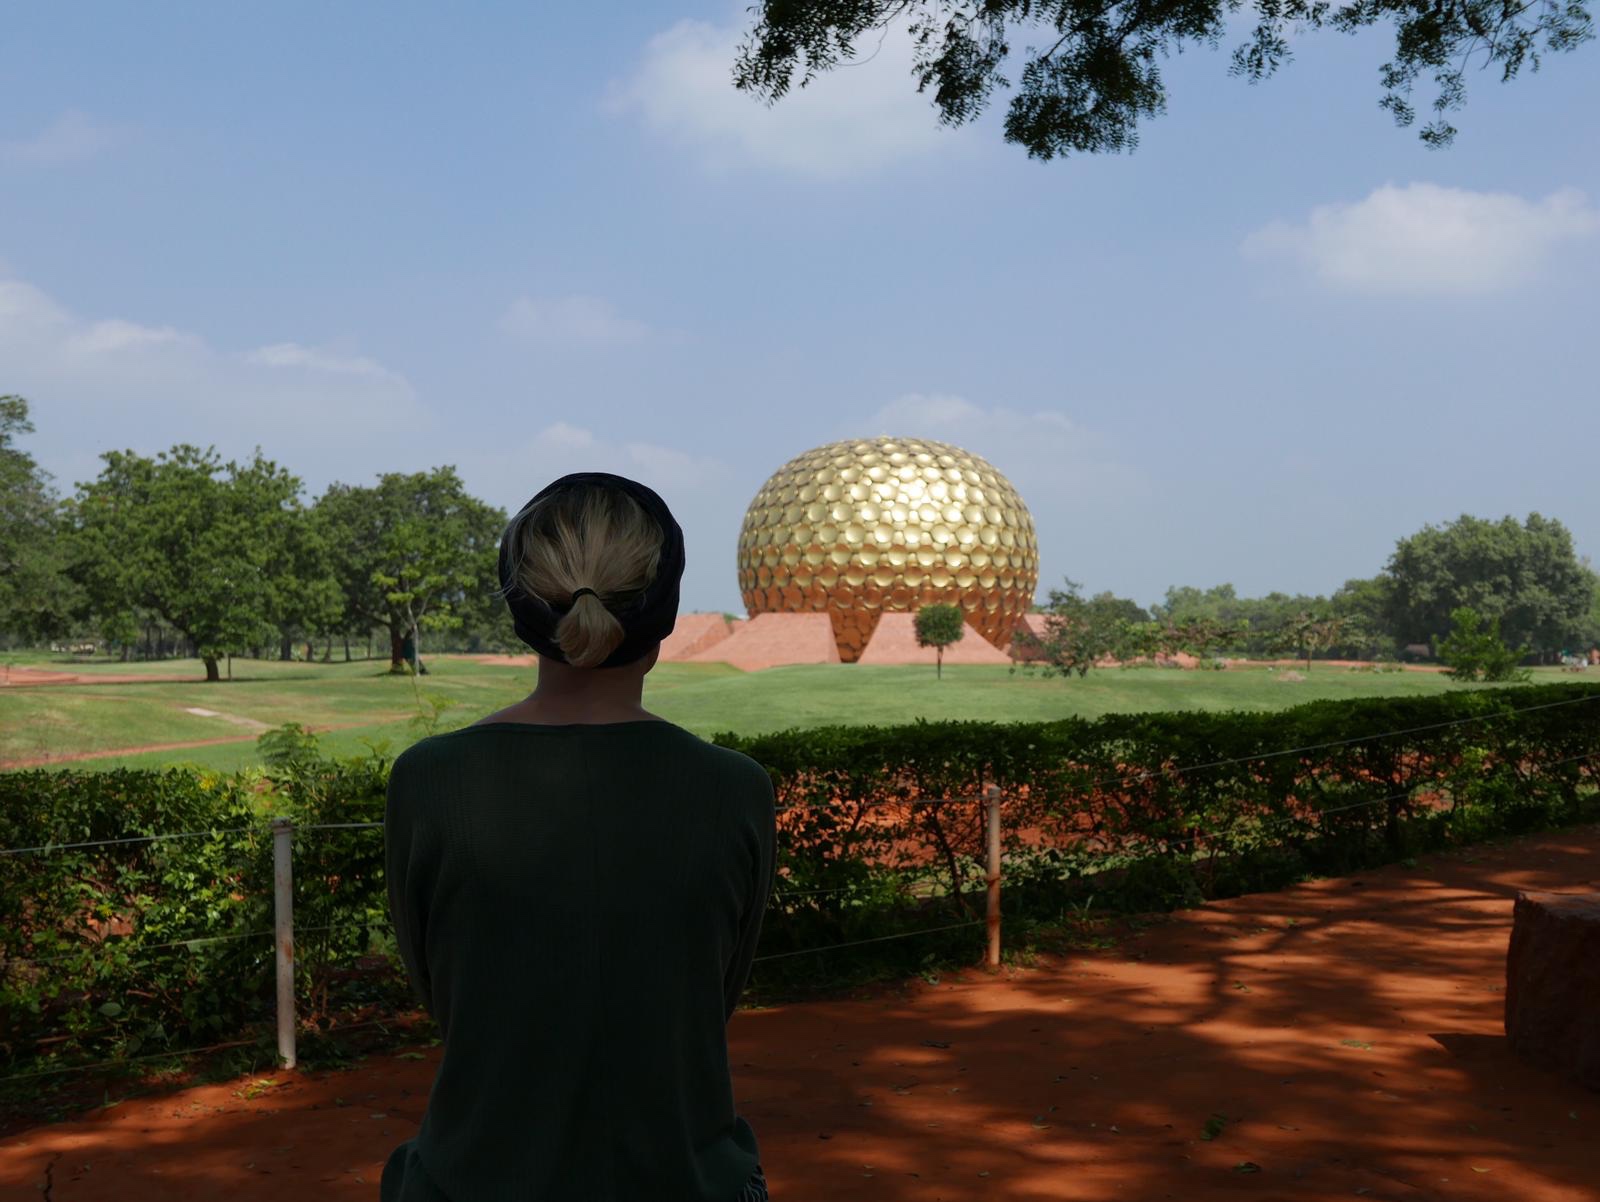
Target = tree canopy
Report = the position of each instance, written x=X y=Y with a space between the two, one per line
x=938 y=626
x=413 y=552
x=1307 y=633
x=1475 y=650
x=1080 y=631
x=204 y=544
x=35 y=599
x=1525 y=574
x=1097 y=72
x=1253 y=625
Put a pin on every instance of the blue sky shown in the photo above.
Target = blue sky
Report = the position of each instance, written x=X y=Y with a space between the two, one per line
x=524 y=241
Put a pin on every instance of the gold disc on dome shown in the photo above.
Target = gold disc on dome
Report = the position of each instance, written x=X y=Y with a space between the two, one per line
x=861 y=527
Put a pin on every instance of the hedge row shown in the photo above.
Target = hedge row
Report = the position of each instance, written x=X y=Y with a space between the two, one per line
x=117 y=949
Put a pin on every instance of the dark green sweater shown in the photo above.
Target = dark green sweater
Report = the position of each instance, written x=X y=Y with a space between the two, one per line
x=578 y=908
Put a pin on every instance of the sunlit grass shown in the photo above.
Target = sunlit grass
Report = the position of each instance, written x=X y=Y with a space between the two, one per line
x=356 y=704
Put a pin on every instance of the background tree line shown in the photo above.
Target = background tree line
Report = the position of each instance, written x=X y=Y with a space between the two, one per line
x=184 y=554
x=1523 y=579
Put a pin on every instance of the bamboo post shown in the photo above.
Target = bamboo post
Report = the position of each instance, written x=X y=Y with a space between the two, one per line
x=992 y=800
x=283 y=916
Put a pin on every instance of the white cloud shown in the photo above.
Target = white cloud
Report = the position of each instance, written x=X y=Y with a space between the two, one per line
x=1424 y=238
x=672 y=467
x=106 y=337
x=863 y=114
x=587 y=320
x=521 y=468
x=1044 y=453
x=71 y=137
x=703 y=492
x=293 y=355
x=915 y=410
x=1069 y=477
x=566 y=437
x=113 y=382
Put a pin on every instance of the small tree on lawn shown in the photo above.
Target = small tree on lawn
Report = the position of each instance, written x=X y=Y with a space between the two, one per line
x=1200 y=637
x=938 y=626
x=1305 y=634
x=1474 y=649
x=1079 y=631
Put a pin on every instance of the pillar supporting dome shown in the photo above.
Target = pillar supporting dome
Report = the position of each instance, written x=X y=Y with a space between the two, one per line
x=859 y=528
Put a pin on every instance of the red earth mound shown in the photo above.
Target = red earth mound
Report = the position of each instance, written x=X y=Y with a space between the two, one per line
x=895 y=642
x=772 y=640
x=693 y=633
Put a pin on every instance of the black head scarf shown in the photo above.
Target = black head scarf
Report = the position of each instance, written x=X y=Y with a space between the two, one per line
x=646 y=620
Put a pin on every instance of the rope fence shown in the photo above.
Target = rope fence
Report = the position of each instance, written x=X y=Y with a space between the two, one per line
x=285 y=932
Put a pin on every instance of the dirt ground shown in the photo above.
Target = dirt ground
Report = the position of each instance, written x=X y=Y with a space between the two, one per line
x=1343 y=1039
x=18 y=678
x=71 y=757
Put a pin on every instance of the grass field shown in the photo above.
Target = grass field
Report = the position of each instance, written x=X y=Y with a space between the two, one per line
x=361 y=701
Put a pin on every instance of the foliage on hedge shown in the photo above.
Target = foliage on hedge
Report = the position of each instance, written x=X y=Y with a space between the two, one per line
x=101 y=952
x=1200 y=788
x=111 y=951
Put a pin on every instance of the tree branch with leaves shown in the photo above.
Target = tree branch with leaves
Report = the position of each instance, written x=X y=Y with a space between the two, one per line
x=1099 y=75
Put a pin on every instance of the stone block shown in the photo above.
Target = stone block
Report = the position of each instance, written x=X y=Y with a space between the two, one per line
x=1553 y=983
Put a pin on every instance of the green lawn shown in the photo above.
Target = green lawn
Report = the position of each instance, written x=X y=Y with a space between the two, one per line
x=361 y=701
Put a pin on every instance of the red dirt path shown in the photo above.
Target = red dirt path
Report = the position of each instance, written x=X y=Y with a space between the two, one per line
x=106 y=753
x=1349 y=1030
x=17 y=678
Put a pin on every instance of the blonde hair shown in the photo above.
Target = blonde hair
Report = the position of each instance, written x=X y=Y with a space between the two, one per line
x=591 y=537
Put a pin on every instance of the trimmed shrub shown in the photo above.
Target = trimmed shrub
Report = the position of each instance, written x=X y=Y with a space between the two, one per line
x=150 y=944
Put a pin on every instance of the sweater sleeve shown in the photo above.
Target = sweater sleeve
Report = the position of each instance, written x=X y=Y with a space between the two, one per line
x=738 y=973
x=409 y=862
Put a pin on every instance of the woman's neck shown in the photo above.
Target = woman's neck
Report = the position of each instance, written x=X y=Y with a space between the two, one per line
x=567 y=695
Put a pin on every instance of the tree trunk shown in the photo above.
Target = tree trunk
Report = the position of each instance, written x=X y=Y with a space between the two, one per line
x=212 y=674
x=285 y=648
x=397 y=661
x=938 y=663
x=346 y=646
x=327 y=652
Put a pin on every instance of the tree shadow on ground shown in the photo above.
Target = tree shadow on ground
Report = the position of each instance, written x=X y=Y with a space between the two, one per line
x=1342 y=1038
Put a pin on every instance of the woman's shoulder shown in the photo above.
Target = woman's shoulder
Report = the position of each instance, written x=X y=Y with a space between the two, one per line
x=740 y=767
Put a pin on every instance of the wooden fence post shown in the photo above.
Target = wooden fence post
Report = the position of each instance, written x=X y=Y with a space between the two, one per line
x=283 y=919
x=992 y=800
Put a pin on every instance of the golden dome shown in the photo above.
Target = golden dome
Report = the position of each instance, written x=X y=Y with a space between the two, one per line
x=883 y=524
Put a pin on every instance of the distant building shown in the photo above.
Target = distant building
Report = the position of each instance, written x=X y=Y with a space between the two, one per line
x=856 y=529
